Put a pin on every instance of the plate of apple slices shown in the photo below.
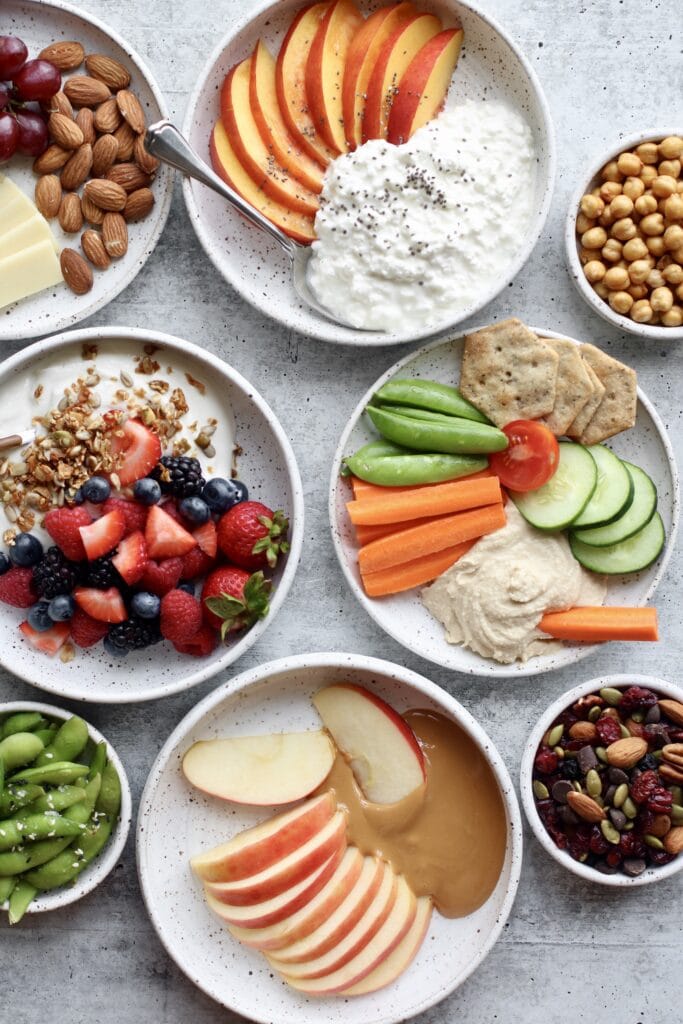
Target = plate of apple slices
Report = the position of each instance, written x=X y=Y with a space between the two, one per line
x=250 y=868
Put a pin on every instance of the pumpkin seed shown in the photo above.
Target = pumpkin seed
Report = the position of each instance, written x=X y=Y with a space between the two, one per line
x=583 y=857
x=610 y=833
x=593 y=783
x=620 y=795
x=629 y=826
x=612 y=696
x=577 y=786
x=629 y=808
x=594 y=713
x=601 y=754
x=559 y=751
x=638 y=716
x=654 y=842
x=540 y=791
x=677 y=814
x=555 y=735
x=677 y=794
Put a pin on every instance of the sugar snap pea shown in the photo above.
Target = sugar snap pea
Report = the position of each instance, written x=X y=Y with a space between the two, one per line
x=459 y=436
x=413 y=469
x=6 y=886
x=20 y=748
x=22 y=895
x=58 y=773
x=429 y=394
x=69 y=741
x=16 y=796
x=417 y=414
x=49 y=824
x=21 y=721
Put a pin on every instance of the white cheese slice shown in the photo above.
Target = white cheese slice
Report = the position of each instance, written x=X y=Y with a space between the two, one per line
x=29 y=232
x=15 y=211
x=28 y=271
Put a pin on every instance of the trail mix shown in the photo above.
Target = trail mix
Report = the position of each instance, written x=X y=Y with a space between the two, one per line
x=608 y=780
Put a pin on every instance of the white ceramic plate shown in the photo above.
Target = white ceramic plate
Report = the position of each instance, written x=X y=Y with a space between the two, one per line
x=38 y=23
x=98 y=870
x=492 y=67
x=403 y=616
x=176 y=821
x=267 y=466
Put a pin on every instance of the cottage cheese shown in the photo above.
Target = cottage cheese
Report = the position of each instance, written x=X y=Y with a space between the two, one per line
x=414 y=235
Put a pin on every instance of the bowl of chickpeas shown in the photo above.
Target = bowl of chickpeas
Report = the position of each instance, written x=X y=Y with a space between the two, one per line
x=624 y=236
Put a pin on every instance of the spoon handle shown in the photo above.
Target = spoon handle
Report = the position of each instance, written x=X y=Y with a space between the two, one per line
x=164 y=141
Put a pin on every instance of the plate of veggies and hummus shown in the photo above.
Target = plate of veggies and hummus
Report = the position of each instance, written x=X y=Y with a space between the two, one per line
x=505 y=500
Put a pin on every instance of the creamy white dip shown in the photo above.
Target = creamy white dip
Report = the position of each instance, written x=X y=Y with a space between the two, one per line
x=412 y=235
x=494 y=597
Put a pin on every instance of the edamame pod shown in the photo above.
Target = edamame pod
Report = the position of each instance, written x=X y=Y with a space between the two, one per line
x=460 y=436
x=48 y=825
x=19 y=748
x=429 y=394
x=55 y=800
x=21 y=721
x=6 y=886
x=109 y=799
x=413 y=469
x=69 y=741
x=2 y=775
x=56 y=774
x=46 y=735
x=15 y=797
x=22 y=894
x=71 y=862
x=98 y=760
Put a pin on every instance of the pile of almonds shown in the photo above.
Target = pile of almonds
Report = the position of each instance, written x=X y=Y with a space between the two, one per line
x=96 y=127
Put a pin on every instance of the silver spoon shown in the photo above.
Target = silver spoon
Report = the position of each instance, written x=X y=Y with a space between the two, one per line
x=164 y=141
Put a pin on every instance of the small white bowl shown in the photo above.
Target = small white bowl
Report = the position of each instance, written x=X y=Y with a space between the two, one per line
x=98 y=870
x=582 y=285
x=651 y=874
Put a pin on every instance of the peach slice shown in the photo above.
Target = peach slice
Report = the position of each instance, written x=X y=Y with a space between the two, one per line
x=325 y=71
x=257 y=848
x=360 y=60
x=423 y=88
x=226 y=164
x=401 y=957
x=271 y=124
x=239 y=122
x=392 y=61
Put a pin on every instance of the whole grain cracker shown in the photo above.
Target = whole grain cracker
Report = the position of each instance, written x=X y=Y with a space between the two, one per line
x=574 y=386
x=576 y=428
x=617 y=410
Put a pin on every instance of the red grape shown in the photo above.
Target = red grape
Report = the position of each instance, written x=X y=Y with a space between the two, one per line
x=13 y=54
x=4 y=96
x=33 y=135
x=38 y=80
x=9 y=136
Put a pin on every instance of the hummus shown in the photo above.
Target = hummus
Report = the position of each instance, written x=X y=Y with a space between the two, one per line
x=493 y=598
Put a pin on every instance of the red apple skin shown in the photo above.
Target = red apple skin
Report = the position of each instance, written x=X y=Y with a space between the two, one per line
x=407 y=949
x=400 y=724
x=324 y=70
x=443 y=49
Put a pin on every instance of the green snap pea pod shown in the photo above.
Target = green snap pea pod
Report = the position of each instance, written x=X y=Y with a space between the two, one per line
x=55 y=800
x=6 y=886
x=19 y=748
x=57 y=774
x=22 y=894
x=49 y=824
x=69 y=741
x=414 y=469
x=21 y=721
x=418 y=414
x=98 y=760
x=14 y=797
x=455 y=436
x=47 y=734
x=373 y=450
x=429 y=394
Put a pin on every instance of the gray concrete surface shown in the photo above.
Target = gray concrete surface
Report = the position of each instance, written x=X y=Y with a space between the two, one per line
x=570 y=951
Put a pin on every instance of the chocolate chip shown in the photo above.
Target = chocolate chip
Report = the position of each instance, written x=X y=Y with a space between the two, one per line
x=605 y=868
x=609 y=795
x=617 y=817
x=616 y=776
x=567 y=816
x=633 y=866
x=560 y=790
x=653 y=715
x=587 y=759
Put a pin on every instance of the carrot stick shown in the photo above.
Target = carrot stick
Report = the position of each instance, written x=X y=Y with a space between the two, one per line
x=364 y=534
x=418 y=541
x=362 y=489
x=597 y=624
x=413 y=574
x=453 y=496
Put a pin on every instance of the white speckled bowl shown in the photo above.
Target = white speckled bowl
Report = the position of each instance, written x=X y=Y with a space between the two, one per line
x=403 y=616
x=572 y=245
x=39 y=22
x=491 y=67
x=176 y=821
x=98 y=870
x=267 y=466
x=619 y=880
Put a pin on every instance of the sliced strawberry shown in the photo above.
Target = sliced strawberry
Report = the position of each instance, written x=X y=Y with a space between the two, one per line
x=181 y=617
x=103 y=535
x=50 y=640
x=63 y=525
x=232 y=599
x=201 y=644
x=141 y=448
x=207 y=538
x=86 y=631
x=131 y=558
x=16 y=587
x=160 y=577
x=196 y=564
x=165 y=537
x=136 y=515
x=103 y=605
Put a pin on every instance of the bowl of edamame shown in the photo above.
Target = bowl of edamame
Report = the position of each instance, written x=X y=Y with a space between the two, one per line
x=65 y=808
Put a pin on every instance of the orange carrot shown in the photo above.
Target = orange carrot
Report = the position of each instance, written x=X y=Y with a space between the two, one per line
x=415 y=573
x=364 y=534
x=454 y=496
x=596 y=624
x=362 y=489
x=418 y=541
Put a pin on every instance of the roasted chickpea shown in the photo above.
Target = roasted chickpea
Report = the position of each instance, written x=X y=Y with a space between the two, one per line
x=679 y=292
x=601 y=289
x=592 y=206
x=673 y=274
x=634 y=249
x=617 y=279
x=673 y=237
x=648 y=175
x=620 y=302
x=641 y=312
x=655 y=246
x=611 y=172
x=611 y=250
x=594 y=271
x=645 y=204
x=662 y=299
x=671 y=148
x=594 y=238
x=673 y=207
x=663 y=186
x=638 y=291
x=655 y=279
x=673 y=318
x=678 y=255
x=648 y=152
x=621 y=206
x=672 y=167
x=653 y=224
x=606 y=219
x=638 y=271
x=624 y=229
x=586 y=254
x=629 y=164
x=633 y=187
x=610 y=190
x=583 y=223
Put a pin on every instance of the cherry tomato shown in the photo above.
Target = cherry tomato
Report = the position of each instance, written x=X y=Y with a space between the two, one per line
x=530 y=459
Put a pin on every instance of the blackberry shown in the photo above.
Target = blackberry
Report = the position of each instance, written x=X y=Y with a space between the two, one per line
x=180 y=476
x=55 y=574
x=133 y=634
x=100 y=573
x=570 y=769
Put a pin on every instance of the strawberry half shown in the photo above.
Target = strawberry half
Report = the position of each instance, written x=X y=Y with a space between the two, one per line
x=63 y=525
x=252 y=536
x=50 y=640
x=207 y=538
x=103 y=535
x=135 y=515
x=165 y=537
x=130 y=561
x=201 y=644
x=103 y=605
x=86 y=631
x=160 y=577
x=16 y=587
x=232 y=599
x=141 y=448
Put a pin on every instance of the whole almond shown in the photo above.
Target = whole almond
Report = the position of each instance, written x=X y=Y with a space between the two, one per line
x=125 y=136
x=51 y=160
x=138 y=204
x=145 y=161
x=70 y=214
x=75 y=271
x=93 y=247
x=673 y=753
x=58 y=104
x=65 y=131
x=108 y=70
x=92 y=213
x=128 y=176
x=115 y=235
x=673 y=841
x=78 y=168
x=584 y=731
x=65 y=54
x=585 y=806
x=108 y=195
x=84 y=91
x=635 y=728
x=627 y=752
x=130 y=108
x=671 y=772
x=108 y=116
x=85 y=120
x=104 y=153
x=48 y=195
x=673 y=709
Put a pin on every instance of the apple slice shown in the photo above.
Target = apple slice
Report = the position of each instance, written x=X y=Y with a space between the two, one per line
x=225 y=163
x=394 y=58
x=377 y=949
x=395 y=964
x=385 y=757
x=266 y=769
x=360 y=60
x=271 y=124
x=257 y=848
x=423 y=88
x=325 y=71
x=284 y=873
x=306 y=920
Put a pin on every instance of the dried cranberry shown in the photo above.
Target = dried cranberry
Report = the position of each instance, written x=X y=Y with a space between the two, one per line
x=659 y=857
x=636 y=697
x=598 y=843
x=658 y=735
x=613 y=858
x=546 y=761
x=575 y=745
x=608 y=730
x=631 y=845
x=676 y=735
x=644 y=821
x=659 y=801
x=567 y=719
x=579 y=846
x=643 y=785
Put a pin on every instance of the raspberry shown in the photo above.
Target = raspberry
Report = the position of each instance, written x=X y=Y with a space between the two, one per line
x=598 y=844
x=641 y=787
x=636 y=697
x=181 y=617
x=134 y=514
x=16 y=587
x=203 y=643
x=160 y=577
x=546 y=761
x=63 y=525
x=196 y=563
x=608 y=730
x=659 y=801
x=86 y=631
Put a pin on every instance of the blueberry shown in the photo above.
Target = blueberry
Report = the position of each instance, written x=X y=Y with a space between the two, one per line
x=220 y=495
x=38 y=617
x=194 y=509
x=61 y=608
x=78 y=497
x=114 y=649
x=145 y=605
x=96 y=490
x=26 y=550
x=4 y=564
x=147 y=491
x=187 y=587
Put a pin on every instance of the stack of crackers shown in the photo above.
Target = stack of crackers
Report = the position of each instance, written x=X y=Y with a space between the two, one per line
x=578 y=391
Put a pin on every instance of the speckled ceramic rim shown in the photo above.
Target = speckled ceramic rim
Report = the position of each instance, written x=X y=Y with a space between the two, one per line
x=598 y=305
x=396 y=673
x=367 y=339
x=162 y=203
x=489 y=668
x=220 y=370
x=650 y=875
x=102 y=865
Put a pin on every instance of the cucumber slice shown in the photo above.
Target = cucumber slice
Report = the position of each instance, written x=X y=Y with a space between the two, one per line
x=631 y=555
x=613 y=492
x=637 y=515
x=557 y=503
